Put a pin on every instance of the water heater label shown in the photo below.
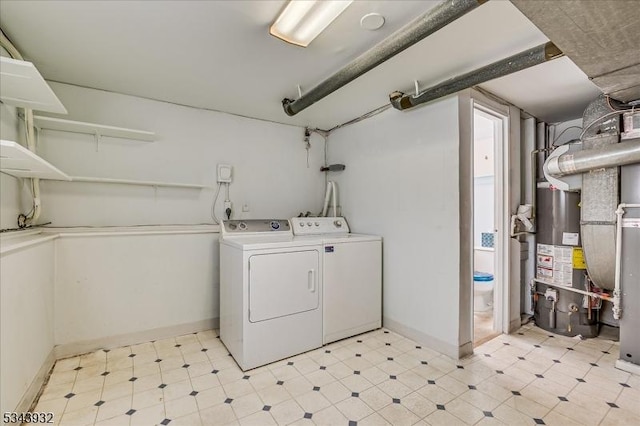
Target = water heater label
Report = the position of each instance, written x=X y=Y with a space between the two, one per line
x=328 y=249
x=570 y=238
x=555 y=264
x=578 y=258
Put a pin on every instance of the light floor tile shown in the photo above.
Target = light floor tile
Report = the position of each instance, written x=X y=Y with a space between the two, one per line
x=274 y=395
x=330 y=416
x=374 y=378
x=374 y=419
x=148 y=416
x=464 y=411
x=147 y=398
x=335 y=392
x=312 y=402
x=258 y=419
x=399 y=415
x=189 y=420
x=86 y=385
x=122 y=420
x=443 y=418
x=84 y=416
x=418 y=404
x=210 y=397
x=180 y=407
x=375 y=398
x=114 y=408
x=246 y=405
x=287 y=412
x=354 y=408
x=217 y=415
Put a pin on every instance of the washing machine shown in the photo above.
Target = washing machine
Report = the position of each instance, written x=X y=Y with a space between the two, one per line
x=270 y=291
x=351 y=274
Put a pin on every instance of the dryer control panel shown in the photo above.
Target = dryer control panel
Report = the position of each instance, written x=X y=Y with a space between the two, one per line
x=319 y=225
x=255 y=226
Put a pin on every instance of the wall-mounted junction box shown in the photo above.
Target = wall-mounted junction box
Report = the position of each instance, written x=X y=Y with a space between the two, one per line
x=224 y=173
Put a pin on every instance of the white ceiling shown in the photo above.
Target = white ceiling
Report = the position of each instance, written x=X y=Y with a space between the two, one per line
x=219 y=55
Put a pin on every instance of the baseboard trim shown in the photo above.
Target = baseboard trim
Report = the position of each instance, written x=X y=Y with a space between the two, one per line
x=514 y=325
x=627 y=366
x=438 y=345
x=32 y=392
x=77 y=348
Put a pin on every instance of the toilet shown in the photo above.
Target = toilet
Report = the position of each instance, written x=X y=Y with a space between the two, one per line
x=482 y=292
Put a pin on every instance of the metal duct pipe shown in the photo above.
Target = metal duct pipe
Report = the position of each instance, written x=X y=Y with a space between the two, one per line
x=526 y=59
x=600 y=195
x=421 y=27
x=619 y=154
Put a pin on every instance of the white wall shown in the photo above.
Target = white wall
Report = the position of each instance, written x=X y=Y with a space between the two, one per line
x=10 y=187
x=401 y=182
x=483 y=207
x=270 y=163
x=109 y=284
x=27 y=336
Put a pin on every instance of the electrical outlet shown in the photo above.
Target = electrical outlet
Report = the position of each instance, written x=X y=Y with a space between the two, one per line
x=228 y=205
x=225 y=173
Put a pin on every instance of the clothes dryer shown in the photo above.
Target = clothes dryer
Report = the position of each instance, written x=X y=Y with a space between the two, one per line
x=270 y=291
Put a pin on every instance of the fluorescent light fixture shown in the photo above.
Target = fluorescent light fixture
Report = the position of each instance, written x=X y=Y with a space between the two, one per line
x=303 y=20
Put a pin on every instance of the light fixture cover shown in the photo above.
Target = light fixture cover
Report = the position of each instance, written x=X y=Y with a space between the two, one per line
x=301 y=21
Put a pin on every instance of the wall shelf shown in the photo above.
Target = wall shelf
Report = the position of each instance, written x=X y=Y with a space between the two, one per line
x=17 y=161
x=23 y=86
x=51 y=123
x=137 y=182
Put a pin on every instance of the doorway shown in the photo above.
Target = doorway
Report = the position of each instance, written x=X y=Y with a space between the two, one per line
x=489 y=136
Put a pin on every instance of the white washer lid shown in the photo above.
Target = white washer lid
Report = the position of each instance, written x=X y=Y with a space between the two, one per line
x=349 y=238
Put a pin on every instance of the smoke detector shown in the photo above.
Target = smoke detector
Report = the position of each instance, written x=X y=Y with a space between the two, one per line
x=372 y=21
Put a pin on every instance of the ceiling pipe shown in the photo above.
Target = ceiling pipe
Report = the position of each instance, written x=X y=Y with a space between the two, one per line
x=526 y=59
x=613 y=155
x=421 y=27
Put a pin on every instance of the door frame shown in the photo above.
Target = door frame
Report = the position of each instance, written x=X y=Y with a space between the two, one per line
x=510 y=272
x=500 y=219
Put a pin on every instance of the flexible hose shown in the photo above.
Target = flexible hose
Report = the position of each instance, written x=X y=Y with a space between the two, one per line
x=213 y=205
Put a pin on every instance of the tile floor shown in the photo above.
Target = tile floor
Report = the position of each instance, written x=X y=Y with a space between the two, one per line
x=377 y=378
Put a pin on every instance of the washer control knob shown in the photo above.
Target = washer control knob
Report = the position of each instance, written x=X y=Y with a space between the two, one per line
x=309 y=223
x=337 y=223
x=317 y=223
x=275 y=225
x=302 y=224
x=242 y=226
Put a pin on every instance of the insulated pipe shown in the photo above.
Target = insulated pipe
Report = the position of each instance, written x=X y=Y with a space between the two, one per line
x=421 y=27
x=571 y=289
x=526 y=59
x=613 y=155
x=617 y=311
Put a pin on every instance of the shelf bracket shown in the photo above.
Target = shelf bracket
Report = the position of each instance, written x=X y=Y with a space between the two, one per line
x=98 y=138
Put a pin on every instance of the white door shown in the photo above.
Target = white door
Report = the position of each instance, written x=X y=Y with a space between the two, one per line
x=352 y=276
x=282 y=284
